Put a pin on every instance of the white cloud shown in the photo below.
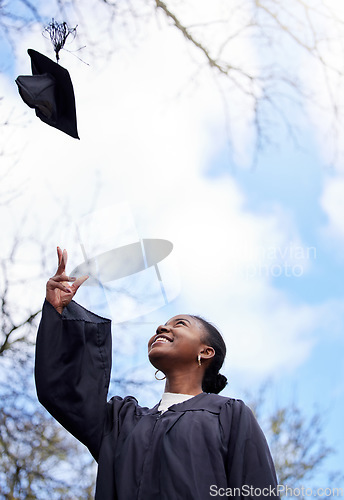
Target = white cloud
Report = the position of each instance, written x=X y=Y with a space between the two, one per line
x=263 y=329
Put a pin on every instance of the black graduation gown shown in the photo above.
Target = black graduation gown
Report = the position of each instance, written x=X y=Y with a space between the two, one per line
x=205 y=447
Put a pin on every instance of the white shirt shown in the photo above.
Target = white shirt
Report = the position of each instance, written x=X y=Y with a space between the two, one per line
x=171 y=398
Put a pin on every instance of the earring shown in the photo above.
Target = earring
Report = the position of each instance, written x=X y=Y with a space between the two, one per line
x=199 y=360
x=155 y=375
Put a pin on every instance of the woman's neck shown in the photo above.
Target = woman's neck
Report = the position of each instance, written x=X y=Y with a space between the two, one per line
x=182 y=385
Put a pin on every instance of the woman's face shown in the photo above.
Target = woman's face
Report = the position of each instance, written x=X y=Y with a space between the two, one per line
x=179 y=341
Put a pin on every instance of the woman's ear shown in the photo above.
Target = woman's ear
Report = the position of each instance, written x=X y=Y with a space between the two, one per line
x=207 y=352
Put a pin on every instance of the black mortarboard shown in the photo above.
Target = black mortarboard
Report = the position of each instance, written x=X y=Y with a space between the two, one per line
x=50 y=92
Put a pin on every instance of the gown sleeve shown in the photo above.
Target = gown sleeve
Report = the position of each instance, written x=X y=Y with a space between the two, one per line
x=72 y=370
x=250 y=467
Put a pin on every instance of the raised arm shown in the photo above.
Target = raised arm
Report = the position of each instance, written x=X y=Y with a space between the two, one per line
x=73 y=360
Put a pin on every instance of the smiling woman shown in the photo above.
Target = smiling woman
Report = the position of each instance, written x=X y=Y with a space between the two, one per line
x=193 y=444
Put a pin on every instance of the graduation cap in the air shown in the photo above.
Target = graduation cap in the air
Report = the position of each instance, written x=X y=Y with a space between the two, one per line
x=50 y=92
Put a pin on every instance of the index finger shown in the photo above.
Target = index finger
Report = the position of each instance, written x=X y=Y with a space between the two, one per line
x=62 y=260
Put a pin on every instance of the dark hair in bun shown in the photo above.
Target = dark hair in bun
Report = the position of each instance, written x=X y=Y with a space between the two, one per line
x=213 y=381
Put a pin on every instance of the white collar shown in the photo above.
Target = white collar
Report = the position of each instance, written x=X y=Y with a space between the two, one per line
x=171 y=398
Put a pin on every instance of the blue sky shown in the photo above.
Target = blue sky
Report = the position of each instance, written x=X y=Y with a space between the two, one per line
x=293 y=179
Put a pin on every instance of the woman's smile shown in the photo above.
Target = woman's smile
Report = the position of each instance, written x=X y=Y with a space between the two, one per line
x=161 y=339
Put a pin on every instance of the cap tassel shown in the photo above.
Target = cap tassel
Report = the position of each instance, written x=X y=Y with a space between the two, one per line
x=58 y=34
